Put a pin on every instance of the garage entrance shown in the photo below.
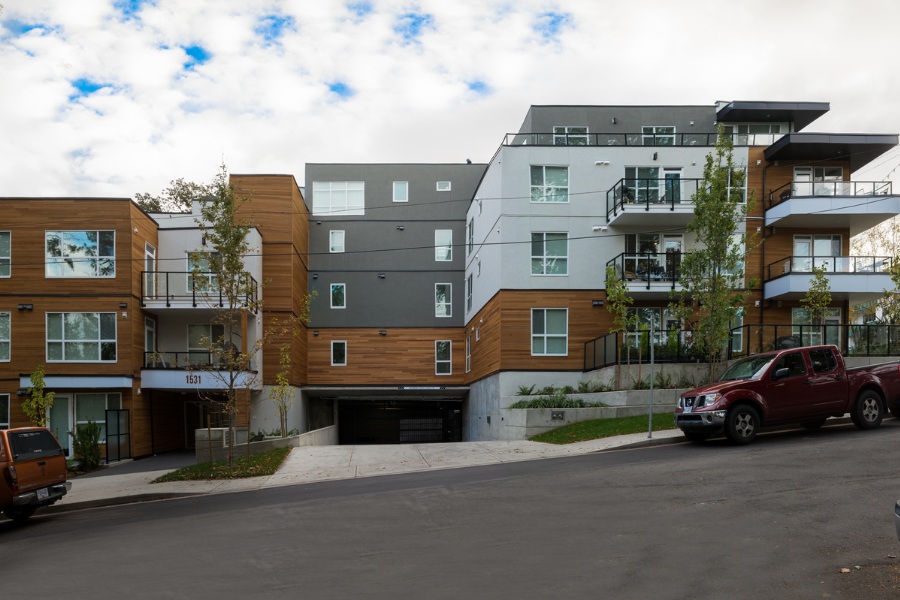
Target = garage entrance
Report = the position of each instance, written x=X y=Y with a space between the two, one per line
x=399 y=421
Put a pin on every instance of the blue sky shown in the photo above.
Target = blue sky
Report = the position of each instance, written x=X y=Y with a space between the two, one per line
x=115 y=97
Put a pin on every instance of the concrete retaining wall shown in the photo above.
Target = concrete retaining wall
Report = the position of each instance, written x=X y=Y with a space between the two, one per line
x=327 y=436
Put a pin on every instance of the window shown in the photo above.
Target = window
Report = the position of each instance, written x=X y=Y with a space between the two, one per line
x=81 y=337
x=443 y=245
x=642 y=185
x=570 y=136
x=202 y=337
x=443 y=186
x=470 y=237
x=822 y=360
x=5 y=253
x=468 y=353
x=202 y=278
x=820 y=250
x=469 y=292
x=737 y=183
x=442 y=299
x=336 y=240
x=818 y=181
x=656 y=135
x=477 y=334
x=338 y=295
x=80 y=253
x=338 y=353
x=549 y=254
x=93 y=407
x=443 y=353
x=401 y=191
x=810 y=333
x=737 y=331
x=4 y=336
x=549 y=331
x=4 y=411
x=338 y=198
x=549 y=184
x=793 y=362
x=149 y=271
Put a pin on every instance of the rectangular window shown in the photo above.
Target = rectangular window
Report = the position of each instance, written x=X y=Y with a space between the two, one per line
x=338 y=295
x=642 y=185
x=4 y=336
x=81 y=337
x=442 y=300
x=468 y=353
x=549 y=332
x=443 y=245
x=336 y=240
x=202 y=278
x=469 y=292
x=549 y=254
x=4 y=411
x=339 y=198
x=810 y=333
x=737 y=183
x=820 y=250
x=470 y=237
x=338 y=353
x=549 y=184
x=5 y=253
x=443 y=354
x=442 y=186
x=657 y=135
x=202 y=337
x=570 y=136
x=93 y=407
x=401 y=191
x=80 y=253
x=737 y=331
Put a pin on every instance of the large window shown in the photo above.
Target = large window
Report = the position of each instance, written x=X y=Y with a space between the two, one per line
x=338 y=353
x=4 y=336
x=202 y=337
x=5 y=253
x=642 y=185
x=549 y=254
x=443 y=245
x=336 y=240
x=819 y=250
x=811 y=334
x=469 y=292
x=338 y=295
x=443 y=357
x=565 y=135
x=93 y=407
x=442 y=300
x=401 y=191
x=549 y=332
x=818 y=181
x=658 y=135
x=81 y=337
x=4 y=411
x=201 y=278
x=338 y=198
x=80 y=253
x=549 y=184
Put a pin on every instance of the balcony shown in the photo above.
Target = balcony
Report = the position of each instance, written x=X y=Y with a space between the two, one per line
x=187 y=289
x=853 y=339
x=652 y=201
x=858 y=278
x=648 y=275
x=632 y=139
x=858 y=205
x=193 y=370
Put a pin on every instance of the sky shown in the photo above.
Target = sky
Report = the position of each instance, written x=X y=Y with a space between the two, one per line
x=109 y=98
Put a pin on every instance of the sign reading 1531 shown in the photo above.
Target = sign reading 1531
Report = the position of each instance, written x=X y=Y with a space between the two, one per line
x=193 y=379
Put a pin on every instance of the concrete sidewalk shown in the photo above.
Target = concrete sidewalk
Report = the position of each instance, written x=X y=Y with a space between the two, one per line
x=129 y=482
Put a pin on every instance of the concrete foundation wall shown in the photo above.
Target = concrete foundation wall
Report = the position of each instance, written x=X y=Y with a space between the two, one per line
x=217 y=439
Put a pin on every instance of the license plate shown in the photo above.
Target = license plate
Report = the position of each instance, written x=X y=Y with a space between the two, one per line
x=43 y=494
x=687 y=409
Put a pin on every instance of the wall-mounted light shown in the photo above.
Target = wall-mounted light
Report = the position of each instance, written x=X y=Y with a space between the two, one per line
x=315 y=275
x=596 y=302
x=400 y=227
x=318 y=222
x=123 y=305
x=135 y=229
x=382 y=332
x=692 y=123
x=203 y=241
x=381 y=276
x=316 y=333
x=655 y=154
x=758 y=162
x=25 y=306
x=22 y=392
x=599 y=228
x=613 y=120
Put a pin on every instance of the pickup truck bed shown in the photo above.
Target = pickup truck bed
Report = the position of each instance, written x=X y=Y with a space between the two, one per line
x=32 y=471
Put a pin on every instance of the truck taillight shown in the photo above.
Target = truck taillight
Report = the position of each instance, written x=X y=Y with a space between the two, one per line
x=9 y=475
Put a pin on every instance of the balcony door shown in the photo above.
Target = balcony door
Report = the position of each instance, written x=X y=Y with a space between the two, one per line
x=672 y=179
x=820 y=250
x=150 y=271
x=673 y=246
x=803 y=181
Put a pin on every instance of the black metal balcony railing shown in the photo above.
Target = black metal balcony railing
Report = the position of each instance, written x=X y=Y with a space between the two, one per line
x=190 y=286
x=648 y=267
x=669 y=346
x=806 y=189
x=187 y=361
x=859 y=265
x=632 y=139
x=853 y=340
x=649 y=193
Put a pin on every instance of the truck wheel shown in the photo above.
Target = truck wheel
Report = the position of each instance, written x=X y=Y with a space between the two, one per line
x=868 y=411
x=742 y=424
x=19 y=515
x=696 y=436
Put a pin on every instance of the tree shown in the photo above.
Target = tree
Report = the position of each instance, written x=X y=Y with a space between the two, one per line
x=178 y=197
x=818 y=297
x=618 y=302
x=711 y=275
x=36 y=403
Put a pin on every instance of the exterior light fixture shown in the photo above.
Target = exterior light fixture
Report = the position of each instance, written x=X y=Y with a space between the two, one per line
x=382 y=332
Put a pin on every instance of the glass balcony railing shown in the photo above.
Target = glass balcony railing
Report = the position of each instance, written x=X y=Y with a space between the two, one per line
x=632 y=139
x=862 y=265
x=852 y=339
x=807 y=189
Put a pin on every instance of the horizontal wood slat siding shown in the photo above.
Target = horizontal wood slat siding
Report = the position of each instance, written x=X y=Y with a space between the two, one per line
x=486 y=350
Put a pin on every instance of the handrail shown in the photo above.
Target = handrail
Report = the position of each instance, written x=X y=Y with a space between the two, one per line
x=809 y=189
x=193 y=286
x=187 y=360
x=633 y=139
x=875 y=339
x=850 y=265
x=651 y=267
x=647 y=192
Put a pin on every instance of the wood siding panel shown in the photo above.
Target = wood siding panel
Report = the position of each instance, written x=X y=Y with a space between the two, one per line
x=486 y=350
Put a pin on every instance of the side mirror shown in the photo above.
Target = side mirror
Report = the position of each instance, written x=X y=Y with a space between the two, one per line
x=781 y=373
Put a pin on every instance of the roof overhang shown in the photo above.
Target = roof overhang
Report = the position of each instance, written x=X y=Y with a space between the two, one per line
x=800 y=114
x=858 y=148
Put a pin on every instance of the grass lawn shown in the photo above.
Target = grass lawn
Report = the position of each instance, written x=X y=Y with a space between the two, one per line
x=601 y=428
x=252 y=466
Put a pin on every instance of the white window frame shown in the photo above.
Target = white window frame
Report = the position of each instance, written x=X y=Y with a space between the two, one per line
x=339 y=198
x=543 y=261
x=6 y=259
x=468 y=353
x=214 y=332
x=570 y=135
x=400 y=191
x=651 y=135
x=336 y=239
x=54 y=265
x=335 y=344
x=469 y=293
x=445 y=308
x=201 y=277
x=149 y=270
x=544 y=193
x=331 y=295
x=546 y=336
x=470 y=236
x=100 y=341
x=442 y=186
x=116 y=398
x=4 y=414
x=443 y=245
x=439 y=362
x=6 y=337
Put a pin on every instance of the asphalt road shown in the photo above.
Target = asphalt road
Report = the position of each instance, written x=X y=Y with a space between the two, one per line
x=776 y=519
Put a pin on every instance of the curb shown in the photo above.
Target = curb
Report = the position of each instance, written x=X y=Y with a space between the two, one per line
x=114 y=501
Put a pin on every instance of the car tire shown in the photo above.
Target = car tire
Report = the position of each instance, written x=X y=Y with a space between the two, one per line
x=868 y=411
x=742 y=424
x=20 y=515
x=696 y=436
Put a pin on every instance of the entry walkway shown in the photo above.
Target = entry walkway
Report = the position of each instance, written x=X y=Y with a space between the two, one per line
x=130 y=481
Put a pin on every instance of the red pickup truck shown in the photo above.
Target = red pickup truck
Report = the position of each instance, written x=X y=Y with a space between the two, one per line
x=32 y=471
x=799 y=385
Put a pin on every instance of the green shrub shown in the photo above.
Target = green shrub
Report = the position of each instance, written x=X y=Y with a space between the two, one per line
x=568 y=389
x=526 y=390
x=86 y=442
x=640 y=384
x=556 y=401
x=590 y=387
x=662 y=381
x=685 y=381
x=547 y=391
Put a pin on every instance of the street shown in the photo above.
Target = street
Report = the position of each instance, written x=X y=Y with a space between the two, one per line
x=776 y=519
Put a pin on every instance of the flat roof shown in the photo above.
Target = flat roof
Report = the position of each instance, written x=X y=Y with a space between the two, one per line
x=859 y=148
x=800 y=114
